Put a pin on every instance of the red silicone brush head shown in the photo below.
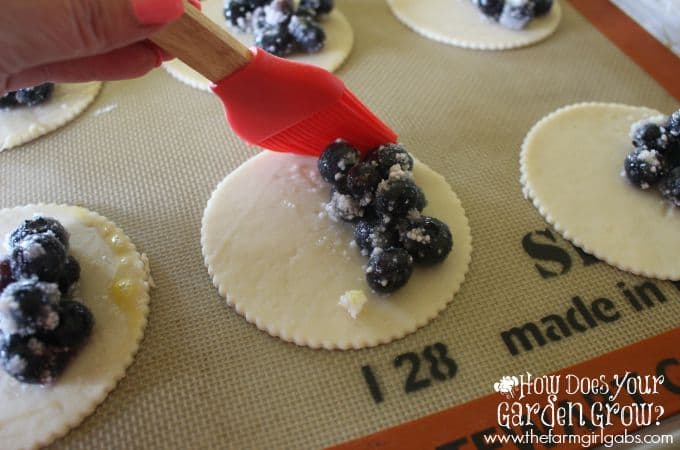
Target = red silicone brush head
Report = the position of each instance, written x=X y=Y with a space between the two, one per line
x=291 y=107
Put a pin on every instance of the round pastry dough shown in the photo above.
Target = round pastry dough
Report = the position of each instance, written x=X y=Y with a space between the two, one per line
x=339 y=41
x=571 y=167
x=114 y=285
x=460 y=23
x=283 y=264
x=23 y=124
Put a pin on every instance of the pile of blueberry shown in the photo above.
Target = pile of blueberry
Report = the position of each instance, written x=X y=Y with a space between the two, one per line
x=655 y=159
x=279 y=27
x=30 y=96
x=41 y=326
x=378 y=194
x=514 y=14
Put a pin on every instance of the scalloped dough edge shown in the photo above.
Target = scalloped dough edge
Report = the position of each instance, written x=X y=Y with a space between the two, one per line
x=530 y=195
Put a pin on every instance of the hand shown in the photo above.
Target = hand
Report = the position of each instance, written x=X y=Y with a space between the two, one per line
x=80 y=40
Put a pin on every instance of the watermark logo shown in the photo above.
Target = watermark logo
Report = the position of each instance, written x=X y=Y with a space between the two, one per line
x=507 y=386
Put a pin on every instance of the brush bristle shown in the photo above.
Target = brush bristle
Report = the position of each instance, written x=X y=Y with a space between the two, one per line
x=348 y=119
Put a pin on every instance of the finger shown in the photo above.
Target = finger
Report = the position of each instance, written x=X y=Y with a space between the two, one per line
x=37 y=32
x=128 y=62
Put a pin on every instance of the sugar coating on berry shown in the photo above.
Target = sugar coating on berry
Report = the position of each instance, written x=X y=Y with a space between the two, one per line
x=490 y=8
x=516 y=14
x=386 y=156
x=343 y=207
x=8 y=100
x=38 y=255
x=30 y=360
x=335 y=163
x=428 y=240
x=33 y=96
x=362 y=181
x=644 y=167
x=278 y=12
x=388 y=270
x=319 y=7
x=372 y=234
x=670 y=187
x=275 y=39
x=396 y=197
x=307 y=33
x=29 y=306
x=674 y=124
x=635 y=128
x=75 y=326
x=38 y=225
x=70 y=276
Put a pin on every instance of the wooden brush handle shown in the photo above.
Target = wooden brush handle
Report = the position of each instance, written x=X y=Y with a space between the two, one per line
x=203 y=45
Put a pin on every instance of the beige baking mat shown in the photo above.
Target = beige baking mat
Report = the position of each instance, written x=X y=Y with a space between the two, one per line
x=148 y=153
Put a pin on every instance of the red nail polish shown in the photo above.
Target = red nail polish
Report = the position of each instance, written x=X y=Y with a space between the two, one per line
x=196 y=3
x=157 y=12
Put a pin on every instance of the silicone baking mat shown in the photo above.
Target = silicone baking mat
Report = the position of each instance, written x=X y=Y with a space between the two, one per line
x=149 y=152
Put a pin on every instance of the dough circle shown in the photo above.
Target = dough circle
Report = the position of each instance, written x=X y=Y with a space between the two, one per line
x=23 y=124
x=283 y=264
x=339 y=41
x=571 y=167
x=114 y=285
x=460 y=23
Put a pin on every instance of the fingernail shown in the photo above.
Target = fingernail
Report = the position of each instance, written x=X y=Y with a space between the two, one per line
x=196 y=3
x=161 y=55
x=157 y=12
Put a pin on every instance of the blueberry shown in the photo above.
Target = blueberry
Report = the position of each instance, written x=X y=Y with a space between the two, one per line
x=30 y=360
x=278 y=12
x=343 y=207
x=386 y=156
x=38 y=255
x=362 y=180
x=542 y=7
x=307 y=33
x=388 y=270
x=8 y=100
x=673 y=125
x=670 y=186
x=238 y=12
x=75 y=326
x=397 y=197
x=517 y=15
x=275 y=39
x=5 y=274
x=29 y=306
x=650 y=136
x=370 y=234
x=644 y=167
x=672 y=154
x=36 y=95
x=428 y=240
x=39 y=225
x=319 y=7
x=335 y=163
x=491 y=8
x=69 y=276
x=305 y=12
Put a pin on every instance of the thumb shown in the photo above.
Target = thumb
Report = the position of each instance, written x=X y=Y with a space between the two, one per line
x=37 y=32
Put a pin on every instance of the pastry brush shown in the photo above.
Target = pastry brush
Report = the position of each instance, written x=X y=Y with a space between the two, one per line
x=272 y=102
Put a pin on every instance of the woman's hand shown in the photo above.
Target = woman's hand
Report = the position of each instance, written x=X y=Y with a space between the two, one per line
x=80 y=40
